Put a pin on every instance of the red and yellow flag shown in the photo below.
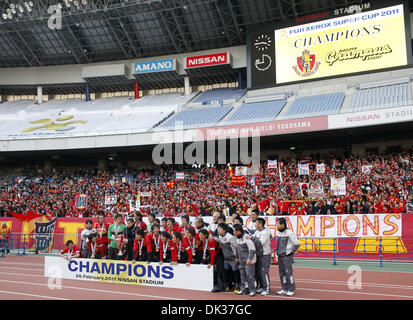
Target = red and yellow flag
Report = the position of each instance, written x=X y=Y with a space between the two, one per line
x=238 y=180
x=170 y=184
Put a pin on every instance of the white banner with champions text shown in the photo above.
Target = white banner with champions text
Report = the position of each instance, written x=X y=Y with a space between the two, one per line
x=194 y=277
x=331 y=226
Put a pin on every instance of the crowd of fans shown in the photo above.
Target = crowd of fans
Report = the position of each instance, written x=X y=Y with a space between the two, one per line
x=205 y=190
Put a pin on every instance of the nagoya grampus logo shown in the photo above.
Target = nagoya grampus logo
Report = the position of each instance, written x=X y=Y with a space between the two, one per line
x=306 y=64
x=48 y=124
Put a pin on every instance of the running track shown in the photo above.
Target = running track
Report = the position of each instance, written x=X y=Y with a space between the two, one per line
x=22 y=278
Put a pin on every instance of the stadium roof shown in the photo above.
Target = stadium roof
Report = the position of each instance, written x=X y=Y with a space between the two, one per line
x=109 y=30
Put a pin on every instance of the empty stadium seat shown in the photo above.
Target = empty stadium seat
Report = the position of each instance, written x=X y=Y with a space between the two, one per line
x=220 y=96
x=197 y=117
x=381 y=97
x=256 y=111
x=315 y=106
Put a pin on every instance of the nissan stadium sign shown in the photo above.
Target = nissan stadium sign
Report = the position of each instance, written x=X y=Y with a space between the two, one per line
x=207 y=60
x=154 y=66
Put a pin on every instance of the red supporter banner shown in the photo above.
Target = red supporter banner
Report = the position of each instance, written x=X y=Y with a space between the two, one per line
x=207 y=60
x=264 y=128
x=170 y=184
x=237 y=180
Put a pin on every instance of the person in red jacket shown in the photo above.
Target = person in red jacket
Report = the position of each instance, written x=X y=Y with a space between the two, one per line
x=165 y=248
x=209 y=248
x=71 y=251
x=142 y=247
x=180 y=250
x=195 y=244
x=171 y=226
x=102 y=230
x=185 y=225
x=138 y=221
x=96 y=247
x=155 y=237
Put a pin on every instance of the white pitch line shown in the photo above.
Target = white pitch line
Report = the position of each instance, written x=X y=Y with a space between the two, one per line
x=353 y=292
x=308 y=289
x=31 y=295
x=17 y=268
x=367 y=284
x=23 y=263
x=89 y=289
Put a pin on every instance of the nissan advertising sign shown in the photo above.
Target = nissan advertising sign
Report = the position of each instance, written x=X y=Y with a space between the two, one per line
x=207 y=60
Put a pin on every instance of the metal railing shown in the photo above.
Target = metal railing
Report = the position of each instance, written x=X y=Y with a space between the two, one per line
x=378 y=249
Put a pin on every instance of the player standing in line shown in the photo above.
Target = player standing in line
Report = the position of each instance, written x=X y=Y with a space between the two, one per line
x=84 y=237
x=263 y=260
x=180 y=250
x=229 y=249
x=287 y=245
x=142 y=248
x=155 y=237
x=129 y=238
x=246 y=259
x=195 y=244
x=165 y=248
x=102 y=230
x=96 y=247
x=115 y=235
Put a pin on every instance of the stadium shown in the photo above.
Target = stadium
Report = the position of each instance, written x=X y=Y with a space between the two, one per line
x=206 y=150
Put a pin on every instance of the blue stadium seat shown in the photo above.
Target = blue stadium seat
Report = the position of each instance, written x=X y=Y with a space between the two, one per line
x=257 y=111
x=219 y=95
x=389 y=96
x=198 y=117
x=315 y=106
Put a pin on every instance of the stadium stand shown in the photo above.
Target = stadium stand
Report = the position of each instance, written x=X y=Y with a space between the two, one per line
x=201 y=117
x=315 y=106
x=256 y=112
x=383 y=192
x=101 y=116
x=381 y=95
x=220 y=96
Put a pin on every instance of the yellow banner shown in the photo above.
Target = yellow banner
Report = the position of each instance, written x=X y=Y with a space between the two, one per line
x=360 y=42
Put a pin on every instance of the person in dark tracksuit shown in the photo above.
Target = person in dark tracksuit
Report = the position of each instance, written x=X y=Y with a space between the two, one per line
x=287 y=245
x=129 y=238
x=246 y=259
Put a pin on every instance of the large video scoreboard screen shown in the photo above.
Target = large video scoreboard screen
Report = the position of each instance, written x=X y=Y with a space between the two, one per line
x=359 y=42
